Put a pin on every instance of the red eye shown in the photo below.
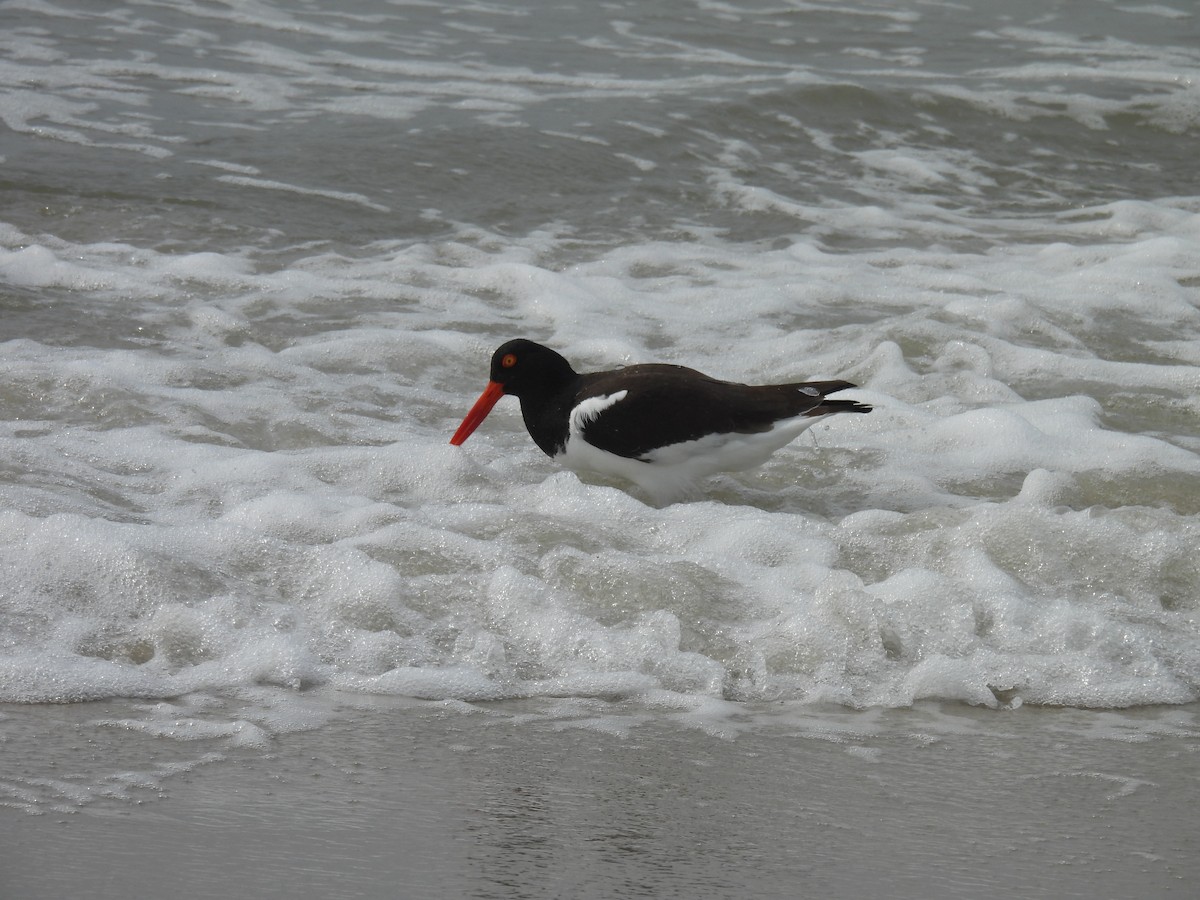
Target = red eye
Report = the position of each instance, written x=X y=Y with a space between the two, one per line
x=509 y=360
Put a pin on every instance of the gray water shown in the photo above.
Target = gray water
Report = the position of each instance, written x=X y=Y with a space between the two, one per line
x=254 y=259
x=616 y=122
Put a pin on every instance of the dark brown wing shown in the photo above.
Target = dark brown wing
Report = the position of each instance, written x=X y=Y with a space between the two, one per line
x=667 y=405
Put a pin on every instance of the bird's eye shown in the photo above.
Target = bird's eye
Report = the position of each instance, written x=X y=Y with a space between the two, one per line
x=509 y=360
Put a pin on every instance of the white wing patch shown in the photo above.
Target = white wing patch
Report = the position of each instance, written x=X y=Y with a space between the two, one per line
x=590 y=408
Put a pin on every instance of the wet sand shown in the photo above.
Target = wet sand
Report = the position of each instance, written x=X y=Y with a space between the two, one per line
x=432 y=801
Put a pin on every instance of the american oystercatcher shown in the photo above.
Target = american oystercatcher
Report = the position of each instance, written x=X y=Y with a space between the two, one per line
x=659 y=426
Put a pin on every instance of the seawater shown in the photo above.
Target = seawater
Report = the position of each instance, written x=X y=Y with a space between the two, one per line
x=254 y=259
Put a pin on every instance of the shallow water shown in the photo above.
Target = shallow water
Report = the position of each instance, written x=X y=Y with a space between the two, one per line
x=557 y=798
x=253 y=261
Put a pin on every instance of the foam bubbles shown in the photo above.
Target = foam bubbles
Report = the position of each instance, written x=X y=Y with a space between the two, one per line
x=244 y=517
x=227 y=494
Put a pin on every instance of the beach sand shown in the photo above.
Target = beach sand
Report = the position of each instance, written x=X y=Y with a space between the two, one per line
x=396 y=799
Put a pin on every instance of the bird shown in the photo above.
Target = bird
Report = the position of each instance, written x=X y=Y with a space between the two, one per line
x=662 y=427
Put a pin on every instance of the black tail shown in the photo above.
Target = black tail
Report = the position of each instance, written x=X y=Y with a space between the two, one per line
x=839 y=406
x=834 y=406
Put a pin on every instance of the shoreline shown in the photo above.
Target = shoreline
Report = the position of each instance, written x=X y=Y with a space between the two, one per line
x=435 y=800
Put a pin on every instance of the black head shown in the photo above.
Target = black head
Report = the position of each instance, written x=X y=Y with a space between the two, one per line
x=523 y=367
x=528 y=371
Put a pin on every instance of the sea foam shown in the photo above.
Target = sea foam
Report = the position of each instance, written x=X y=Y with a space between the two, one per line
x=251 y=284
x=236 y=515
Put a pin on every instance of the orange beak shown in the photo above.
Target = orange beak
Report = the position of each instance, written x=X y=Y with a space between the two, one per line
x=490 y=396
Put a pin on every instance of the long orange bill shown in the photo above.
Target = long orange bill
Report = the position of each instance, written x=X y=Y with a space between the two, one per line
x=490 y=396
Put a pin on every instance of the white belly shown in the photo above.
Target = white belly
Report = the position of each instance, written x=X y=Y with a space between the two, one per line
x=669 y=471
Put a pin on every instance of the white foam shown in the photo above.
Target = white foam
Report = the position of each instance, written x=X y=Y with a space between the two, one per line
x=225 y=479
x=271 y=185
x=262 y=547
